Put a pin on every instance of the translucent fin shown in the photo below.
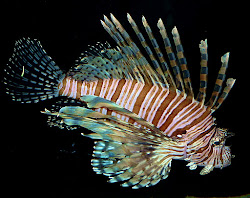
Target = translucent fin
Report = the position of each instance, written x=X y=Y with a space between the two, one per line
x=129 y=62
x=141 y=63
x=61 y=102
x=31 y=75
x=137 y=156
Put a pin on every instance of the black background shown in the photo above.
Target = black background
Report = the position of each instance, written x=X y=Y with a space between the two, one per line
x=54 y=162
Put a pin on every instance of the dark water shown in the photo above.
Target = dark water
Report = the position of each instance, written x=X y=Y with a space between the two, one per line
x=54 y=162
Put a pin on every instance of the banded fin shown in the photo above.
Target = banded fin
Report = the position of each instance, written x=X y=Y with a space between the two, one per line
x=137 y=156
x=147 y=48
x=216 y=99
x=101 y=61
x=31 y=75
x=128 y=62
x=162 y=73
x=229 y=84
x=137 y=61
x=171 y=56
x=203 y=72
x=60 y=103
x=182 y=63
x=213 y=102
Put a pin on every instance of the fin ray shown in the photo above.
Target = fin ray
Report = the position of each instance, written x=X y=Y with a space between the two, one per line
x=124 y=152
x=219 y=81
x=31 y=74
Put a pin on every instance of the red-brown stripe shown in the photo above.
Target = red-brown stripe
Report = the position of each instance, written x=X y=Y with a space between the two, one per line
x=79 y=87
x=152 y=98
x=108 y=87
x=118 y=90
x=62 y=86
x=171 y=95
x=141 y=98
x=98 y=87
x=198 y=120
x=170 y=118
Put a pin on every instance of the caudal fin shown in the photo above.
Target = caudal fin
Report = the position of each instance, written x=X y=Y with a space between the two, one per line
x=31 y=75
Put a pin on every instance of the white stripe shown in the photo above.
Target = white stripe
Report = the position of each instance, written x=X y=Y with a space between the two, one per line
x=201 y=141
x=155 y=90
x=104 y=111
x=65 y=92
x=204 y=125
x=105 y=84
x=94 y=87
x=169 y=110
x=198 y=113
x=73 y=89
x=133 y=97
x=155 y=106
x=119 y=99
x=166 y=91
x=112 y=88
x=179 y=121
x=136 y=92
x=125 y=95
x=104 y=88
x=83 y=89
x=90 y=88
x=146 y=101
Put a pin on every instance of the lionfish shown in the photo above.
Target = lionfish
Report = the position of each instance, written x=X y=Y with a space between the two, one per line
x=143 y=113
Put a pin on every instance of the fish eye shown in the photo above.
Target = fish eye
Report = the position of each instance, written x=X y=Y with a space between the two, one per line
x=217 y=143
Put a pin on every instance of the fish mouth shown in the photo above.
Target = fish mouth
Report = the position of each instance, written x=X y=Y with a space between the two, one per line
x=228 y=142
x=229 y=134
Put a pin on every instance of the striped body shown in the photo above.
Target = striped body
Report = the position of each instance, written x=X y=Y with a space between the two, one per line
x=173 y=113
x=142 y=114
x=170 y=111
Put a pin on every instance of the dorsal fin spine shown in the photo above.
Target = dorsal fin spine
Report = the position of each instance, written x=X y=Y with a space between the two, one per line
x=171 y=55
x=154 y=43
x=121 y=43
x=119 y=38
x=145 y=65
x=147 y=49
x=219 y=81
x=226 y=90
x=182 y=62
x=203 y=72
x=180 y=70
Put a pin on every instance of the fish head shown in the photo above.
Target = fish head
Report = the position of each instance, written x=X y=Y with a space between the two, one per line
x=222 y=152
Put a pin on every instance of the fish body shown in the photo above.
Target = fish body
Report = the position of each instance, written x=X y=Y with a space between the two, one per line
x=142 y=116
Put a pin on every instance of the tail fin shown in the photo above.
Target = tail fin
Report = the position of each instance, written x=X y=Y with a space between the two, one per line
x=31 y=74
